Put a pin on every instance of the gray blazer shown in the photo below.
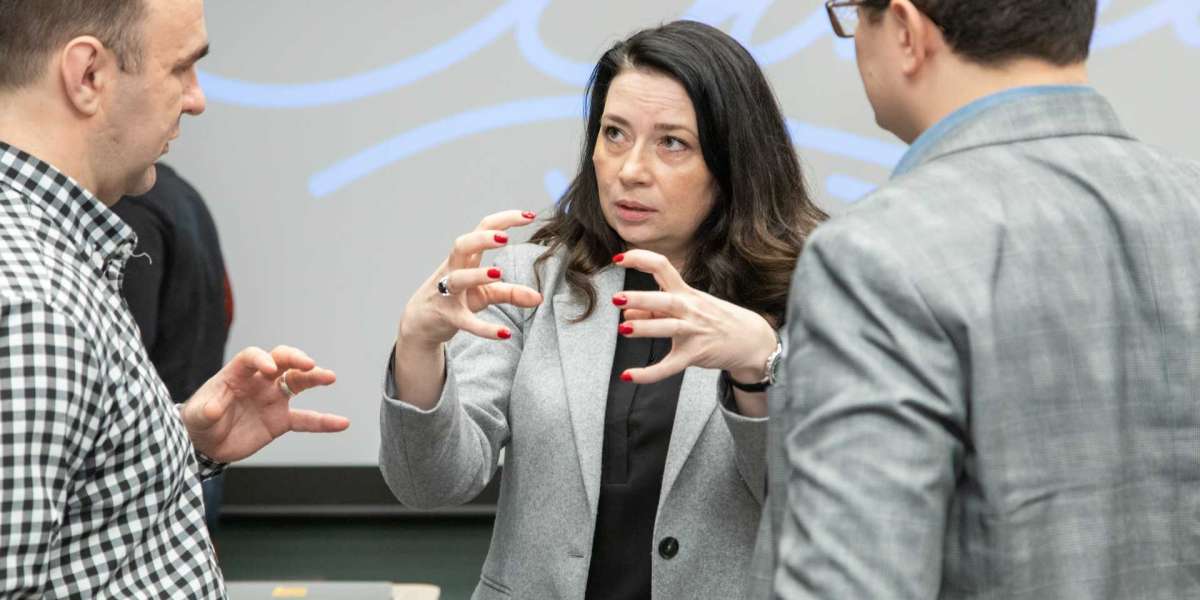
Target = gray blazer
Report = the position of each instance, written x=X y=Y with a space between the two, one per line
x=541 y=396
x=996 y=372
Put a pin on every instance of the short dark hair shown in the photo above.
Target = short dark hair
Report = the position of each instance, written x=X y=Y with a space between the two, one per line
x=746 y=248
x=997 y=31
x=30 y=30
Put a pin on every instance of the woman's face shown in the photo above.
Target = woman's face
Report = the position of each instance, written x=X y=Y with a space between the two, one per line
x=654 y=187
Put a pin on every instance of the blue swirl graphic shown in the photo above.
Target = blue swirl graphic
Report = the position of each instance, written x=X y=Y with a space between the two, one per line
x=370 y=83
x=522 y=18
x=1180 y=13
x=542 y=58
x=847 y=188
x=521 y=112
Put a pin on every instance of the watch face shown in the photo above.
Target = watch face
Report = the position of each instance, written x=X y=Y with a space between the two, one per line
x=774 y=368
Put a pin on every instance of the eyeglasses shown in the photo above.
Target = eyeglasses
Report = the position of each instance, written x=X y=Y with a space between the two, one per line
x=843 y=16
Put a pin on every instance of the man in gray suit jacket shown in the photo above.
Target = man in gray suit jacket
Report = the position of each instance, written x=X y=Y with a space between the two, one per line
x=994 y=378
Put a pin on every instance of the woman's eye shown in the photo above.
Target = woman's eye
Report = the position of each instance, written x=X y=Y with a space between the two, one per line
x=674 y=144
x=613 y=134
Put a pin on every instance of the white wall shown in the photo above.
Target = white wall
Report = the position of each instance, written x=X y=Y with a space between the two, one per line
x=347 y=143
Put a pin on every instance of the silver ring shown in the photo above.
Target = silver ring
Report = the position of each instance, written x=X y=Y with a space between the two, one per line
x=443 y=286
x=287 y=391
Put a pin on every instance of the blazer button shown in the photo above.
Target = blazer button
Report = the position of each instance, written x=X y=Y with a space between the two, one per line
x=668 y=548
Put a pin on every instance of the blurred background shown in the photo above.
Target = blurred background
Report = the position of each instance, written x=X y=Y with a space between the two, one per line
x=346 y=144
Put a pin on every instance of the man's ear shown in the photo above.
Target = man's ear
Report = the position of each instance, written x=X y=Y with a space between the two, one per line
x=914 y=34
x=87 y=70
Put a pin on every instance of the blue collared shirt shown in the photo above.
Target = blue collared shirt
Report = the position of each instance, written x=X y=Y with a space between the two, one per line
x=918 y=149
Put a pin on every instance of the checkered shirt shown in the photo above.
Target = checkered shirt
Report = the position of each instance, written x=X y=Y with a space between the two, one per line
x=99 y=483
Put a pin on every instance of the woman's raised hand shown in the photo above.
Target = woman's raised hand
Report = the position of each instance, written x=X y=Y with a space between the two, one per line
x=448 y=301
x=705 y=331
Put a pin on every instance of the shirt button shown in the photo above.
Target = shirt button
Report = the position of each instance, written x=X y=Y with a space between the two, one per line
x=668 y=548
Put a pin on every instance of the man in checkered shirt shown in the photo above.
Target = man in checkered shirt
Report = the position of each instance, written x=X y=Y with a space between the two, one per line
x=99 y=470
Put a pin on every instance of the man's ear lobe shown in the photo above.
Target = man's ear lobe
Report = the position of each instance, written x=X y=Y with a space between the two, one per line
x=87 y=69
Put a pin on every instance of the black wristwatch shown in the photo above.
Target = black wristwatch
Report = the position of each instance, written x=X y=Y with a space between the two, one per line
x=772 y=368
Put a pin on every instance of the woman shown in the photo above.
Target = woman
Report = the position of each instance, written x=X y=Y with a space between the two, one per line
x=627 y=474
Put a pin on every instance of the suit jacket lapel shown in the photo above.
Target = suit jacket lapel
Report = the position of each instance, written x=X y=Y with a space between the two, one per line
x=697 y=401
x=586 y=351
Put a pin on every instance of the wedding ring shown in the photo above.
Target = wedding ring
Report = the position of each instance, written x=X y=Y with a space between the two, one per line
x=283 y=385
x=443 y=286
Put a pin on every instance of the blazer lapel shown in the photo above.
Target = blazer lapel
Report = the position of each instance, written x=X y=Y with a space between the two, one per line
x=586 y=351
x=697 y=401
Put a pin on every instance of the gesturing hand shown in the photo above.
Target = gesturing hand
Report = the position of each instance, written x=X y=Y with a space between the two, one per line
x=705 y=331
x=459 y=288
x=243 y=407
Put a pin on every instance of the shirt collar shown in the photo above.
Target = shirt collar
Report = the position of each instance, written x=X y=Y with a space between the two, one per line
x=81 y=217
x=920 y=147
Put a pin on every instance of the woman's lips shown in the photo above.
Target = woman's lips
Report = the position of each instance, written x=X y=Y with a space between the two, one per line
x=633 y=212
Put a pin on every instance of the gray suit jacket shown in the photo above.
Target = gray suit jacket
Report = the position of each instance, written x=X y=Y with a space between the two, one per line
x=542 y=396
x=996 y=372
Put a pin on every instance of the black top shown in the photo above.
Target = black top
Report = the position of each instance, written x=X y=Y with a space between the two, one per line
x=637 y=431
x=175 y=284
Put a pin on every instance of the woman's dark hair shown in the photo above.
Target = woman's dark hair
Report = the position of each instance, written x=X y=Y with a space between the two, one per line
x=746 y=248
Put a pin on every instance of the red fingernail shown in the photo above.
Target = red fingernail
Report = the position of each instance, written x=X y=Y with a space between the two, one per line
x=626 y=376
x=504 y=334
x=619 y=257
x=625 y=328
x=494 y=273
x=620 y=300
x=501 y=238
x=529 y=214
